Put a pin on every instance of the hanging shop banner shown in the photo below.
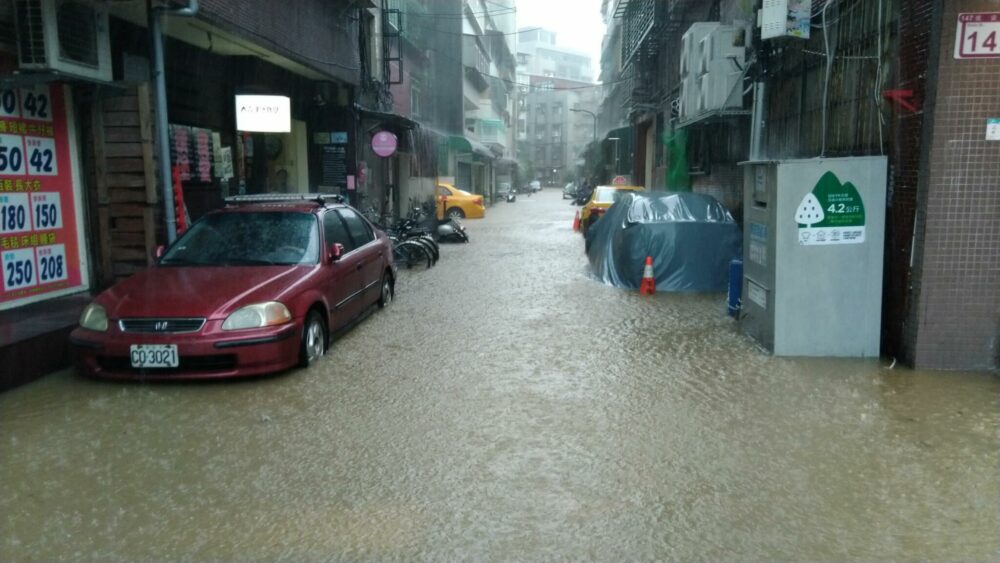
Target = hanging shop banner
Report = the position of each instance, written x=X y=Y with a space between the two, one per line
x=40 y=250
x=180 y=150
x=263 y=114
x=201 y=167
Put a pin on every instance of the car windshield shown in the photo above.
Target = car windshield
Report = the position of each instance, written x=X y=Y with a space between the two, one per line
x=247 y=239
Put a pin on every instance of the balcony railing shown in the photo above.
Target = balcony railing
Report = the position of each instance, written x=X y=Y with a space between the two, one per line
x=491 y=131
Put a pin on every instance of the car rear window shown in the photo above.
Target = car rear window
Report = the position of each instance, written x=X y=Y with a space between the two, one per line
x=247 y=239
x=605 y=195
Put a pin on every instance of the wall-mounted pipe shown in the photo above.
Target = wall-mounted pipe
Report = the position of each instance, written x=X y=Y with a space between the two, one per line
x=160 y=99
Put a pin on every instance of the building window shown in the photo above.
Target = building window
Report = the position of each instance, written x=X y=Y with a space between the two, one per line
x=416 y=107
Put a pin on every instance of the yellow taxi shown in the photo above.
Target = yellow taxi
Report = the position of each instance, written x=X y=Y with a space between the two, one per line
x=599 y=202
x=453 y=202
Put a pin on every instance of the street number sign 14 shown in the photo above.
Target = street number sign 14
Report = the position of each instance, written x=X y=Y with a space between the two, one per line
x=978 y=36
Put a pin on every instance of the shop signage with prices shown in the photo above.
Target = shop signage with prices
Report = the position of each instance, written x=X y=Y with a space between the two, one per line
x=263 y=114
x=384 y=143
x=39 y=239
x=978 y=36
x=832 y=213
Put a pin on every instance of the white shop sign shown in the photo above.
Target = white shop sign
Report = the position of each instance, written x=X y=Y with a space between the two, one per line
x=263 y=114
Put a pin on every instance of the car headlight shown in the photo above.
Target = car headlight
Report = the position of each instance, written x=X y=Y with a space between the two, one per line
x=257 y=316
x=94 y=317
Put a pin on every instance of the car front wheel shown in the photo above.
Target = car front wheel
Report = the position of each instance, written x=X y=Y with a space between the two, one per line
x=313 y=340
x=456 y=213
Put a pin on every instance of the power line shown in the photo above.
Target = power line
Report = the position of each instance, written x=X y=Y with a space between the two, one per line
x=462 y=14
x=534 y=86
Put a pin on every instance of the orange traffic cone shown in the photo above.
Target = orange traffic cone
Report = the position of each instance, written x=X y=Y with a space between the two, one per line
x=648 y=285
x=576 y=222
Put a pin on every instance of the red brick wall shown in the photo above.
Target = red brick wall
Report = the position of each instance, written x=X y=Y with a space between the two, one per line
x=955 y=314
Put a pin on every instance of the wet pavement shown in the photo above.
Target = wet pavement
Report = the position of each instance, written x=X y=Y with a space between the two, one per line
x=508 y=407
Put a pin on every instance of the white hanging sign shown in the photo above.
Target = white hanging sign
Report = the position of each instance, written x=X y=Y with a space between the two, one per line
x=263 y=114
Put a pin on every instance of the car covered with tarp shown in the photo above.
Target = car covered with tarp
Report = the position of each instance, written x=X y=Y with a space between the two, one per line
x=691 y=237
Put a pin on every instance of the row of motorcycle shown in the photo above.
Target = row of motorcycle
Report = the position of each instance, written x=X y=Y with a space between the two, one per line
x=416 y=238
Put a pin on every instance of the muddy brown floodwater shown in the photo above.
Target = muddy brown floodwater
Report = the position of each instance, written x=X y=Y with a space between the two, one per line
x=508 y=407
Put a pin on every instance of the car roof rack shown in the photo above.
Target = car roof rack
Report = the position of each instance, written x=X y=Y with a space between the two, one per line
x=320 y=199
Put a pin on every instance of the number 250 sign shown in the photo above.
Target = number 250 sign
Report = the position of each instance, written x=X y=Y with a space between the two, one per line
x=978 y=36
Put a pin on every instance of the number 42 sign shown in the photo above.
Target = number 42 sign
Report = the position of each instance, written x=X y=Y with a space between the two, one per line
x=978 y=36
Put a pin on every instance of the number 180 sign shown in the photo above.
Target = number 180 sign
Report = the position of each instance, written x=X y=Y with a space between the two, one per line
x=978 y=36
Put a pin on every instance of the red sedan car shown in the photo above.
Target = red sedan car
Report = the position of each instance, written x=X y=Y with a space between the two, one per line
x=254 y=288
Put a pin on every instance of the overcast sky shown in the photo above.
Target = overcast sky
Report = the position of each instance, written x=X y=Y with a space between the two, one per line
x=577 y=23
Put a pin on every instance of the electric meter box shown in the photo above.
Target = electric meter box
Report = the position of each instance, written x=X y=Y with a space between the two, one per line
x=812 y=255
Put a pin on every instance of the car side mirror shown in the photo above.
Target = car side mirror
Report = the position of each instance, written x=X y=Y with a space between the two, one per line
x=336 y=251
x=160 y=250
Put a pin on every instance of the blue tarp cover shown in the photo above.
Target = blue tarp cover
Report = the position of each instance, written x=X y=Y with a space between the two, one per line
x=691 y=237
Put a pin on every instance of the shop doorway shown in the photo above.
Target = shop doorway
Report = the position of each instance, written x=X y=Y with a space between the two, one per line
x=278 y=162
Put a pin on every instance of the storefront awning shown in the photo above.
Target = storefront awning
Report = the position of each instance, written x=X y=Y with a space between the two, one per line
x=507 y=164
x=623 y=133
x=389 y=120
x=464 y=144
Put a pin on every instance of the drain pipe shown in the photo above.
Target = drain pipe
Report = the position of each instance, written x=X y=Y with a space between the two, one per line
x=160 y=96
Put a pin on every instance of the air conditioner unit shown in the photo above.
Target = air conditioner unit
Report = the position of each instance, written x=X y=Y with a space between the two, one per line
x=720 y=88
x=689 y=45
x=682 y=101
x=68 y=37
x=689 y=97
x=719 y=44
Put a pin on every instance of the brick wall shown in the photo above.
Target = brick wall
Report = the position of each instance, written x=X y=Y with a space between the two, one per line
x=955 y=312
x=317 y=33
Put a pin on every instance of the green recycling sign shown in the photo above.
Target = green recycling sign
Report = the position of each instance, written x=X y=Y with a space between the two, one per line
x=832 y=213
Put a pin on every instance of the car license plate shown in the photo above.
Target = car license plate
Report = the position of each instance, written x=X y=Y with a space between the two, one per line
x=153 y=355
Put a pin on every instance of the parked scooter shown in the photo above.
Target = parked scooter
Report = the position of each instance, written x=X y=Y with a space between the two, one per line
x=451 y=230
x=509 y=195
x=448 y=229
x=583 y=194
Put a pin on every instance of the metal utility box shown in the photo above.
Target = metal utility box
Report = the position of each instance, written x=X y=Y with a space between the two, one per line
x=812 y=255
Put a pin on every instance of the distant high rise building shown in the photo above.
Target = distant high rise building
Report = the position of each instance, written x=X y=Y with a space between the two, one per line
x=553 y=80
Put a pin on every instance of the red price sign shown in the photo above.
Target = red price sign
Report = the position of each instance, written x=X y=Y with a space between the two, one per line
x=978 y=36
x=40 y=250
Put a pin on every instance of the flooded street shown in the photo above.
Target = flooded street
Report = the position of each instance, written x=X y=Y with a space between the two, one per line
x=508 y=407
